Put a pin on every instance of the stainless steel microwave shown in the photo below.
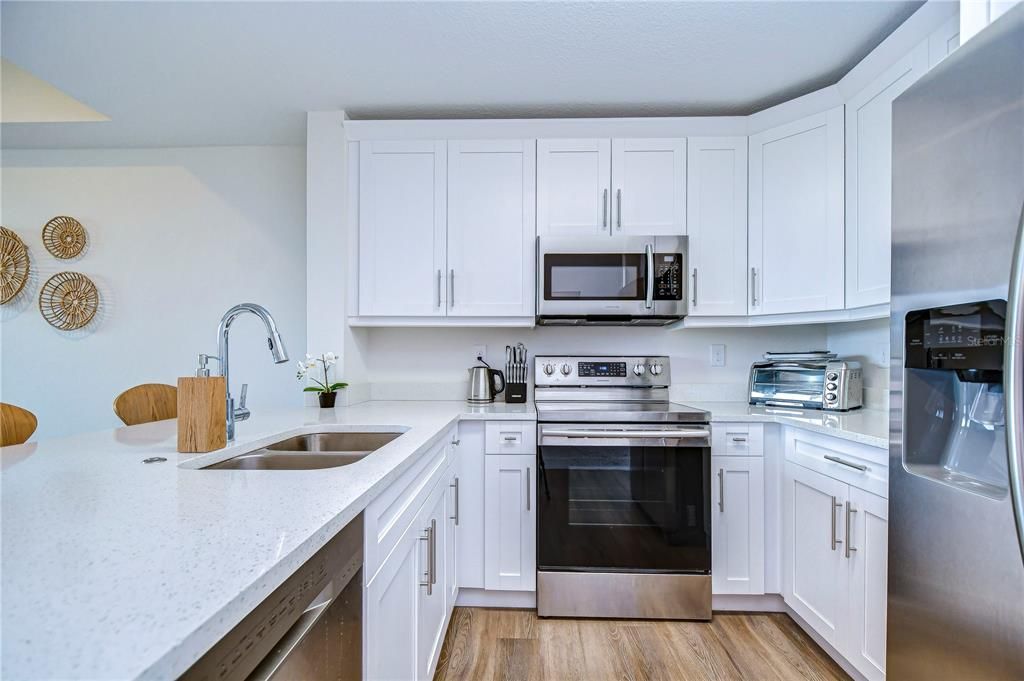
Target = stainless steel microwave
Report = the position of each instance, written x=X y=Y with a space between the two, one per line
x=620 y=281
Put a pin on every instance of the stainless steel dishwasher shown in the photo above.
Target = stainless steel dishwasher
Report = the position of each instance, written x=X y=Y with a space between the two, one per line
x=309 y=628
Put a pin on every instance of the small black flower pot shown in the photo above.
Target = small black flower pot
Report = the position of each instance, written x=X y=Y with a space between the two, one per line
x=327 y=400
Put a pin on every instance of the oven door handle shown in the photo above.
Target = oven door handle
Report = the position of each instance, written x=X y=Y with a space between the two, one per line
x=619 y=434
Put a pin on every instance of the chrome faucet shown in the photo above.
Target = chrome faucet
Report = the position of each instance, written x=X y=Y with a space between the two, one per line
x=274 y=342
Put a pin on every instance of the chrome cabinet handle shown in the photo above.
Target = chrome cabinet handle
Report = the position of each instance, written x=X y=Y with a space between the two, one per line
x=721 y=490
x=850 y=510
x=428 y=536
x=739 y=439
x=858 y=466
x=455 y=486
x=604 y=208
x=618 y=220
x=694 y=292
x=510 y=438
x=433 y=551
x=439 y=289
x=835 y=541
x=527 y=488
x=451 y=286
x=649 y=299
x=1013 y=387
x=753 y=287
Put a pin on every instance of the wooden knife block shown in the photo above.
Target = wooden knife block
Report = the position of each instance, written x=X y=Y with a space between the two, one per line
x=201 y=419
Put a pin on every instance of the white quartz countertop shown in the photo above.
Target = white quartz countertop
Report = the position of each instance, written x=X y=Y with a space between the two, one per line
x=866 y=426
x=116 y=569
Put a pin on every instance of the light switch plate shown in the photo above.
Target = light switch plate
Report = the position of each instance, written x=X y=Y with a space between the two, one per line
x=717 y=355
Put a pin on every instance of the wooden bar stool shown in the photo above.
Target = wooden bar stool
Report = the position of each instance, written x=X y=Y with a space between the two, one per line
x=147 y=403
x=16 y=425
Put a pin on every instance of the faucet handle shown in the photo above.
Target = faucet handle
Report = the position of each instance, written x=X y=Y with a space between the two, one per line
x=245 y=390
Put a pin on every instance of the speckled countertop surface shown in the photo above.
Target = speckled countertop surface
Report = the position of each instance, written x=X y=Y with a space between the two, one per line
x=115 y=569
x=866 y=426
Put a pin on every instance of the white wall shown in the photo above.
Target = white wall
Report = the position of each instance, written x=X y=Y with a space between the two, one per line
x=867 y=342
x=176 y=236
x=432 y=363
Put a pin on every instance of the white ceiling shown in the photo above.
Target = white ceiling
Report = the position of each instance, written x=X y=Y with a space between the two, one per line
x=198 y=73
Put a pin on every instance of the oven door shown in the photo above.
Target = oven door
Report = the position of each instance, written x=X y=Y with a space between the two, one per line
x=624 y=498
x=607 y=277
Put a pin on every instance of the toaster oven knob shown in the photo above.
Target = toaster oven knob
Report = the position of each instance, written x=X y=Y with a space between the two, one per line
x=639 y=369
x=831 y=397
x=831 y=386
x=831 y=375
x=549 y=369
x=566 y=369
x=655 y=369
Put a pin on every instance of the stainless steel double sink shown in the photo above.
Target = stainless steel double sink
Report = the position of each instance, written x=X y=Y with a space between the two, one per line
x=310 y=451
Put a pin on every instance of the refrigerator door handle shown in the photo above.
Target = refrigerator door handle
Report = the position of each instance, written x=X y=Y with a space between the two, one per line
x=1013 y=387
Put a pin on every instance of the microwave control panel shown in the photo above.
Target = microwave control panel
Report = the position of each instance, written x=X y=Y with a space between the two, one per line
x=668 y=275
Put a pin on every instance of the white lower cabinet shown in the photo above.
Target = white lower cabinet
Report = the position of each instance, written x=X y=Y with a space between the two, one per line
x=868 y=539
x=510 y=522
x=432 y=608
x=410 y=592
x=835 y=540
x=737 y=525
x=391 y=600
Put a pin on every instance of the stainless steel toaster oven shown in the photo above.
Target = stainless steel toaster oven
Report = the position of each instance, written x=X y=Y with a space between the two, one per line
x=807 y=382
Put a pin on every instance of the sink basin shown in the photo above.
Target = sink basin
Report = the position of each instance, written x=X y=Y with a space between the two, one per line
x=311 y=451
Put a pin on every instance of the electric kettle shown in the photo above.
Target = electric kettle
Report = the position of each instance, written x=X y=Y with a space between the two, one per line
x=482 y=384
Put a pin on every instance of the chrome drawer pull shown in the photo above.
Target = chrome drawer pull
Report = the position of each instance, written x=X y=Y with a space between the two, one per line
x=511 y=438
x=527 y=488
x=739 y=439
x=604 y=207
x=428 y=536
x=721 y=491
x=455 y=486
x=836 y=459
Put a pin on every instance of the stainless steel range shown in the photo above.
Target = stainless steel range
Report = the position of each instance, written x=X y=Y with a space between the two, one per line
x=623 y=495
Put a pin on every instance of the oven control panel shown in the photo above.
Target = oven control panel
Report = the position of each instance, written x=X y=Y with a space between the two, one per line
x=623 y=371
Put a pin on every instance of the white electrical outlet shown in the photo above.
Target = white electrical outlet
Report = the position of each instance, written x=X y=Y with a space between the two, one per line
x=717 y=355
x=883 y=354
x=479 y=351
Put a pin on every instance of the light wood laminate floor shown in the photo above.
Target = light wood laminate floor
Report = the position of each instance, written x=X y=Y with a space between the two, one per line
x=485 y=644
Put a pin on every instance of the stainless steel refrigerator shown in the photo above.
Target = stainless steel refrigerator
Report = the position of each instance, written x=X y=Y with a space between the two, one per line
x=956 y=558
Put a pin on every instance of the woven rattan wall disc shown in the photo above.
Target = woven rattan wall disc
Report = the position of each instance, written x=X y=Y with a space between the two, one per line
x=64 y=237
x=13 y=264
x=69 y=300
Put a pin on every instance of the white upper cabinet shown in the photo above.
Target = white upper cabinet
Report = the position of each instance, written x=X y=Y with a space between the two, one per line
x=617 y=187
x=402 y=193
x=573 y=187
x=869 y=180
x=491 y=228
x=943 y=41
x=796 y=216
x=649 y=186
x=716 y=216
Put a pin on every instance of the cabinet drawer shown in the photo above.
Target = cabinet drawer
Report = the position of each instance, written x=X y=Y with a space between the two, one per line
x=510 y=437
x=387 y=517
x=858 y=465
x=737 y=439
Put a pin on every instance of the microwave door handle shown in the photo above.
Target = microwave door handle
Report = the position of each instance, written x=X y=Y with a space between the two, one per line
x=649 y=300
